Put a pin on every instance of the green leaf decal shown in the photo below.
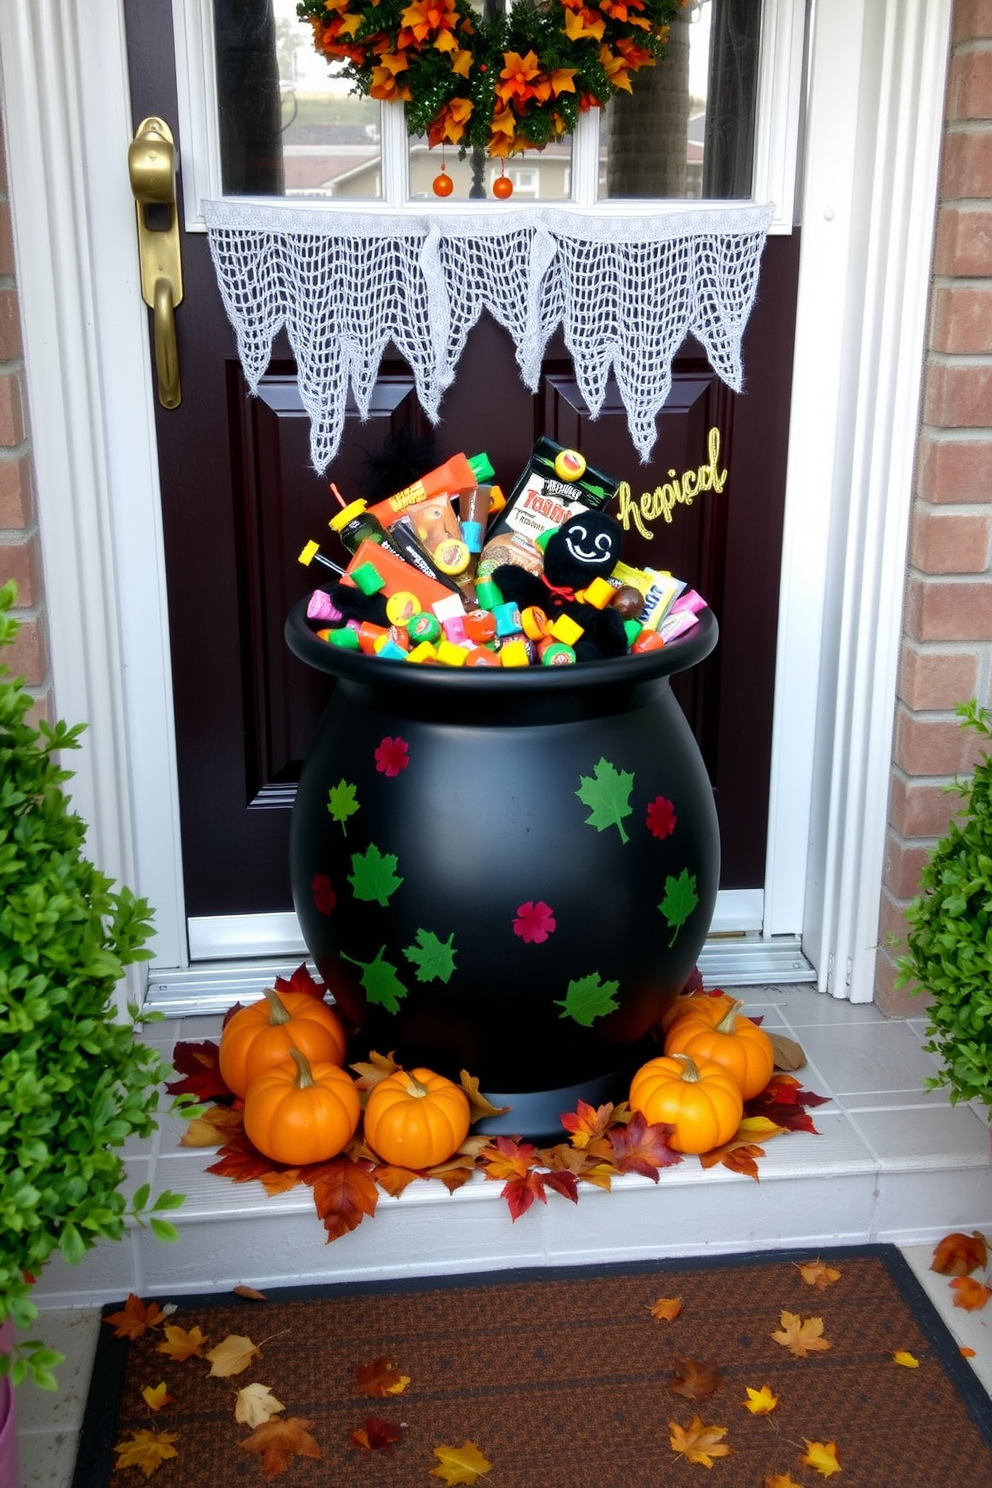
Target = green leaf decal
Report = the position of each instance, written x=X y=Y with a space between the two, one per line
x=373 y=875
x=588 y=999
x=433 y=958
x=341 y=802
x=607 y=791
x=679 y=901
x=382 y=985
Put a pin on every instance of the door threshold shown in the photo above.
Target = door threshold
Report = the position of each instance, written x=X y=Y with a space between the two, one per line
x=211 y=987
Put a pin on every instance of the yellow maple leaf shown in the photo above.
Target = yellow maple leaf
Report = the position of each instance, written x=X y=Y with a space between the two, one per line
x=460 y=1464
x=816 y=1274
x=907 y=1360
x=232 y=1355
x=155 y=1396
x=146 y=1449
x=801 y=1336
x=780 y=1480
x=761 y=1127
x=822 y=1456
x=666 y=1309
x=698 y=1443
x=182 y=1343
x=760 y=1402
x=255 y=1404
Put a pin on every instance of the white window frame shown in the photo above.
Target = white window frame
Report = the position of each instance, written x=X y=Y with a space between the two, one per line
x=780 y=84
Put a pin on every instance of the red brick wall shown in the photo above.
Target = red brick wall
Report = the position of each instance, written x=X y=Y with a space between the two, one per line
x=947 y=622
x=20 y=548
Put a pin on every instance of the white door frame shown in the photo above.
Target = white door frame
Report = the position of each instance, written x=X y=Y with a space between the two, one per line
x=872 y=148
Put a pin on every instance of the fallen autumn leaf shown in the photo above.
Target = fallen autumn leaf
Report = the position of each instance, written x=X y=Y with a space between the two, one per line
x=146 y=1449
x=698 y=1443
x=959 y=1255
x=801 y=1336
x=255 y=1404
x=460 y=1464
x=760 y=1402
x=231 y=1356
x=278 y=1440
x=822 y=1456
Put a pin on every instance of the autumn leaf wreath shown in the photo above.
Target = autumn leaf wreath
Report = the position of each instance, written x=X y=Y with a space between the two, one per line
x=511 y=83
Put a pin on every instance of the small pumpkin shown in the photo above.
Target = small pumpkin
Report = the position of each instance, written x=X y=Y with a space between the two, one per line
x=735 y=1042
x=416 y=1119
x=698 y=1098
x=298 y=1113
x=705 y=1004
x=263 y=1034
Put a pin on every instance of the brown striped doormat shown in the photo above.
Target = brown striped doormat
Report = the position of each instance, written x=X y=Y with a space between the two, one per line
x=619 y=1376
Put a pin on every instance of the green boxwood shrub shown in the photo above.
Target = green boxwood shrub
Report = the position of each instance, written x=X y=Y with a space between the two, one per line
x=75 y=1082
x=950 y=935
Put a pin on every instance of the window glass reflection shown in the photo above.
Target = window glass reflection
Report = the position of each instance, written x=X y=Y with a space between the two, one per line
x=289 y=126
x=687 y=129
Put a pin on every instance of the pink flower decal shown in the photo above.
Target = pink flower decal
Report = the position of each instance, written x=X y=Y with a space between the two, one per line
x=534 y=922
x=661 y=817
x=391 y=757
x=324 y=897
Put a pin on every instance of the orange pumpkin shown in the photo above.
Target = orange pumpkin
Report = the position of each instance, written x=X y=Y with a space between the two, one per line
x=740 y=1046
x=699 y=1099
x=296 y=1113
x=703 y=1004
x=263 y=1034
x=415 y=1118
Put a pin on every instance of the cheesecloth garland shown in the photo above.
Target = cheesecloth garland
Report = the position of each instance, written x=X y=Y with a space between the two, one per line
x=625 y=291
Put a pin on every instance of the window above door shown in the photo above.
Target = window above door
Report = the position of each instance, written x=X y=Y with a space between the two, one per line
x=263 y=115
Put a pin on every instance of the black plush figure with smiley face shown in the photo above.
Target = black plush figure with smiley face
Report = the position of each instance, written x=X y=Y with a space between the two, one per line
x=586 y=546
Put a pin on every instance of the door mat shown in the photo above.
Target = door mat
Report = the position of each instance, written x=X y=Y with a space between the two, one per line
x=778 y=1369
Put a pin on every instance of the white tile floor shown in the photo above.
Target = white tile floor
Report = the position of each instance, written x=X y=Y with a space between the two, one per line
x=892 y=1163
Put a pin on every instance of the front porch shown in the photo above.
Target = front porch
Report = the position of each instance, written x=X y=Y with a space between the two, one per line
x=891 y=1163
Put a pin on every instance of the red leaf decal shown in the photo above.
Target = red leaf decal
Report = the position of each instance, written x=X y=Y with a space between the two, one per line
x=661 y=817
x=324 y=897
x=391 y=757
x=534 y=921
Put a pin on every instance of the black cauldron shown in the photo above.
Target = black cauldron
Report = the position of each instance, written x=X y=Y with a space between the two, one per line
x=508 y=872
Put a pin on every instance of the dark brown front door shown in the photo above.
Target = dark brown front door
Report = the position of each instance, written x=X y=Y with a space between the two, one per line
x=240 y=500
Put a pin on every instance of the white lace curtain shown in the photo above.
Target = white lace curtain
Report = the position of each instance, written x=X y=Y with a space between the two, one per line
x=624 y=290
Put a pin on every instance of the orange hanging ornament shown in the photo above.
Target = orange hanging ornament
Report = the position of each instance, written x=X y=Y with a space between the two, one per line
x=502 y=186
x=442 y=185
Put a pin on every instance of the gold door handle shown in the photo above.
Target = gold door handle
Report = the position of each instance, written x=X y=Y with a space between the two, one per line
x=151 y=163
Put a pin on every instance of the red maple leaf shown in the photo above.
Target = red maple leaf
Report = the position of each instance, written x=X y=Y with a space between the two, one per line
x=535 y=921
x=783 y=1101
x=324 y=897
x=199 y=1071
x=642 y=1148
x=516 y=1162
x=391 y=757
x=586 y=1122
x=241 y=1162
x=377 y=1435
x=300 y=981
x=661 y=817
x=343 y=1194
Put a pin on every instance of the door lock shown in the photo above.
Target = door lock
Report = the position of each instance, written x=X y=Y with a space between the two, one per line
x=151 y=162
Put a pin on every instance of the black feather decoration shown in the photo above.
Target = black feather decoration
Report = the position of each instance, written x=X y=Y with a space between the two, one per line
x=402 y=459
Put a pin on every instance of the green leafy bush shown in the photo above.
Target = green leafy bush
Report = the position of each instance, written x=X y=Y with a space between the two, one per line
x=950 y=935
x=75 y=1082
